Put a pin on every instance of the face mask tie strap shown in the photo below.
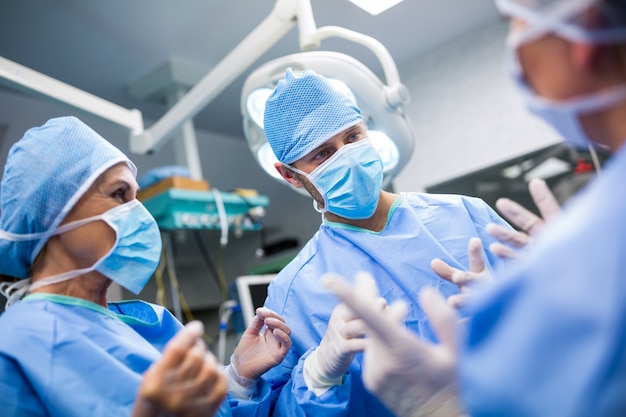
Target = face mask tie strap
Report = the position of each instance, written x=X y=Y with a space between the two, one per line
x=14 y=291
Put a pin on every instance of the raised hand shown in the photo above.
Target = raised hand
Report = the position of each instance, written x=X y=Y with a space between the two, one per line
x=510 y=241
x=467 y=281
x=263 y=345
x=326 y=366
x=410 y=376
x=185 y=382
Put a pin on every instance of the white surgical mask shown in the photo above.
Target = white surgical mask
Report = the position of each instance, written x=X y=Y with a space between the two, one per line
x=132 y=259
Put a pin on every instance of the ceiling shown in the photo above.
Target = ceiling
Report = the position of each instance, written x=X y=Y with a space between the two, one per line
x=103 y=47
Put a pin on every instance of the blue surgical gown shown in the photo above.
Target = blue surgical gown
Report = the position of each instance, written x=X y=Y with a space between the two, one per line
x=550 y=339
x=63 y=356
x=420 y=227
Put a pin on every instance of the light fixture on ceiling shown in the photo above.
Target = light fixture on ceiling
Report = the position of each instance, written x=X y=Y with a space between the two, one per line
x=388 y=127
x=375 y=7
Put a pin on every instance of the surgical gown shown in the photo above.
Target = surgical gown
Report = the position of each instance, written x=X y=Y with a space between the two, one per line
x=420 y=227
x=551 y=339
x=64 y=356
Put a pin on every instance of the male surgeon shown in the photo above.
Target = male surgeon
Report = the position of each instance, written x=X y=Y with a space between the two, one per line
x=319 y=137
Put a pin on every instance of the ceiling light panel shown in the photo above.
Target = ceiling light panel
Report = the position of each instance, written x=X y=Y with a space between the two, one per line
x=375 y=7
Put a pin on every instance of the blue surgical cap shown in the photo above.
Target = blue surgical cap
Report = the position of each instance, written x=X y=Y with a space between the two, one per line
x=46 y=173
x=303 y=112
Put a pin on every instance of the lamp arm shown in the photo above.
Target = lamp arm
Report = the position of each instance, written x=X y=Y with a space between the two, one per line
x=395 y=92
x=383 y=55
x=31 y=81
x=263 y=37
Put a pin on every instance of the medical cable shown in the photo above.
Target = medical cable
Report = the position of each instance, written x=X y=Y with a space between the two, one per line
x=181 y=306
x=595 y=159
x=219 y=202
x=226 y=309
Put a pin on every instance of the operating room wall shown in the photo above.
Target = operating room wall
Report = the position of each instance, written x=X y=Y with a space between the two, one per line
x=465 y=110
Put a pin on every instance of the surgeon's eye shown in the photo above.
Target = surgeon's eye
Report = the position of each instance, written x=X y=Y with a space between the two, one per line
x=323 y=154
x=356 y=134
x=354 y=137
x=122 y=194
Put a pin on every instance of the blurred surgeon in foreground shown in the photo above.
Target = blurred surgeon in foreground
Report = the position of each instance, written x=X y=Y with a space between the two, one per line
x=70 y=225
x=548 y=339
x=319 y=137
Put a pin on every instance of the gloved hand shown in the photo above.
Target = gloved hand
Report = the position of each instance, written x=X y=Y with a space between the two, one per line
x=467 y=281
x=185 y=381
x=410 y=376
x=531 y=224
x=258 y=350
x=326 y=366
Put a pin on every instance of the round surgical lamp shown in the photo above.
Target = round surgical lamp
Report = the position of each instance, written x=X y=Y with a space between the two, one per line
x=388 y=127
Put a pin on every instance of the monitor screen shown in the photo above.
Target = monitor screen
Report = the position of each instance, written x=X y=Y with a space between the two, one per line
x=252 y=292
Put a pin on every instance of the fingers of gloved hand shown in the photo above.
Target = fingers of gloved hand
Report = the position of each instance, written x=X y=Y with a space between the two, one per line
x=361 y=299
x=173 y=392
x=208 y=405
x=355 y=345
x=386 y=327
x=192 y=363
x=266 y=313
x=503 y=251
x=505 y=235
x=342 y=314
x=255 y=326
x=475 y=252
x=282 y=338
x=365 y=285
x=202 y=396
x=396 y=313
x=519 y=215
x=457 y=301
x=544 y=199
x=273 y=323
x=453 y=275
x=442 y=317
x=176 y=349
x=353 y=329
x=442 y=269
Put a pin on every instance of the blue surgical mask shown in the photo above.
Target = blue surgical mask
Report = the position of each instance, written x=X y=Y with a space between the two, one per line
x=349 y=181
x=563 y=115
x=132 y=259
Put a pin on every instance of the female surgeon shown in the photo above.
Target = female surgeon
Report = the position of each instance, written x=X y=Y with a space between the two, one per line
x=70 y=225
x=548 y=339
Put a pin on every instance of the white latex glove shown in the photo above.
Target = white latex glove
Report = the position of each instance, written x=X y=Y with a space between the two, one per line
x=510 y=240
x=467 y=281
x=263 y=345
x=410 y=376
x=186 y=381
x=327 y=364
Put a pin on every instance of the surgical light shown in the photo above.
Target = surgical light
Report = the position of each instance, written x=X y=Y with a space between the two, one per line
x=388 y=127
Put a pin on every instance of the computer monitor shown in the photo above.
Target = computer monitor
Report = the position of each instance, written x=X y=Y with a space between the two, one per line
x=252 y=291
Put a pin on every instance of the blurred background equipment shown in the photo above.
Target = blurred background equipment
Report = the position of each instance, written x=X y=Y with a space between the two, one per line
x=566 y=170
